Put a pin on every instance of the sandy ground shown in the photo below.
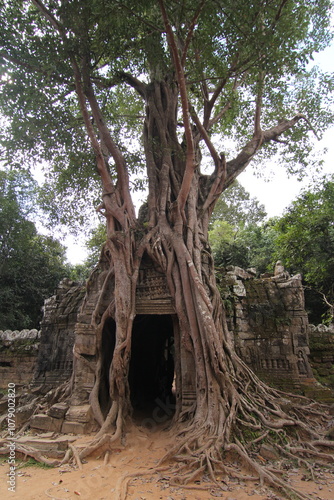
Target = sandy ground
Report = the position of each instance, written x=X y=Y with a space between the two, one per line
x=131 y=472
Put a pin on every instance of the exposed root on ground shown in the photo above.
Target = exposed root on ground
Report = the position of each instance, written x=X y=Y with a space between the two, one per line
x=228 y=445
x=196 y=453
x=287 y=435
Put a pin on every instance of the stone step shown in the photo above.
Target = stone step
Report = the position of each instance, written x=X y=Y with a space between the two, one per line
x=51 y=447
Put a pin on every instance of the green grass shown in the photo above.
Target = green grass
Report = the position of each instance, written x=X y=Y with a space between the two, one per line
x=31 y=462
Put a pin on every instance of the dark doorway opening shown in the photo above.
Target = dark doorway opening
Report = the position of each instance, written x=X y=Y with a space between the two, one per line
x=108 y=346
x=151 y=371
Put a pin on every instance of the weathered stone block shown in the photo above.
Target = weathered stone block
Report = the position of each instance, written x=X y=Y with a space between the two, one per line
x=53 y=448
x=74 y=428
x=45 y=423
x=85 y=344
x=23 y=413
x=58 y=410
x=239 y=289
x=82 y=414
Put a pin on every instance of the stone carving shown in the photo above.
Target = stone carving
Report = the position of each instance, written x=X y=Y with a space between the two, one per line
x=151 y=285
x=321 y=341
x=267 y=317
x=152 y=294
x=280 y=272
x=18 y=356
x=269 y=324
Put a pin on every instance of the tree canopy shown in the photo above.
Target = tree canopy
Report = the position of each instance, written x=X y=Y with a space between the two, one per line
x=246 y=73
x=302 y=238
x=305 y=239
x=120 y=90
x=31 y=265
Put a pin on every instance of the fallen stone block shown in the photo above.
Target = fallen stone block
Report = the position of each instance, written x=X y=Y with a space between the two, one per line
x=58 y=410
x=74 y=428
x=53 y=448
x=45 y=423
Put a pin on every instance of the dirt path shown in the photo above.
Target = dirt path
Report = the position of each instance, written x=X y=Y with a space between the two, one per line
x=130 y=473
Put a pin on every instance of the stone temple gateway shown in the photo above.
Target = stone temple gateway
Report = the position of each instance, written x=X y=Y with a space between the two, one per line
x=155 y=336
x=266 y=315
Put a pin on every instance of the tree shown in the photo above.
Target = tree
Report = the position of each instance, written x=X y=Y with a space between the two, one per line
x=94 y=243
x=180 y=72
x=236 y=207
x=261 y=244
x=31 y=265
x=234 y=231
x=305 y=240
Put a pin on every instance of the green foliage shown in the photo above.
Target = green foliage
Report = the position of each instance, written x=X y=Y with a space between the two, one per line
x=236 y=236
x=234 y=41
x=305 y=239
x=31 y=265
x=79 y=272
x=31 y=462
x=261 y=244
x=236 y=207
x=95 y=242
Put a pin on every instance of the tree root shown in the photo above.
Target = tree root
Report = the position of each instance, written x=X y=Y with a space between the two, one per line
x=250 y=416
x=33 y=453
x=289 y=434
x=76 y=455
x=121 y=489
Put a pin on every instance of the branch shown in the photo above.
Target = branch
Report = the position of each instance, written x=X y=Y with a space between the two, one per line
x=274 y=132
x=50 y=17
x=217 y=179
x=106 y=138
x=228 y=104
x=205 y=136
x=191 y=32
x=217 y=185
x=238 y=164
x=279 y=14
x=107 y=182
x=258 y=106
x=135 y=83
x=190 y=155
x=209 y=105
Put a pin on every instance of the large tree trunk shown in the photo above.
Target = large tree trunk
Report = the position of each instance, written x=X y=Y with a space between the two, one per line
x=177 y=242
x=229 y=400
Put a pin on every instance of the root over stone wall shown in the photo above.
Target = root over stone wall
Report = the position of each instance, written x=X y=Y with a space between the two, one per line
x=266 y=315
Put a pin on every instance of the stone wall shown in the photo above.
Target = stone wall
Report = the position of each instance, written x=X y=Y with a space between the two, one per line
x=266 y=315
x=18 y=356
x=322 y=353
x=55 y=358
x=270 y=324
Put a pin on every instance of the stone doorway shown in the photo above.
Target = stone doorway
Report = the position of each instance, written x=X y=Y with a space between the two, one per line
x=151 y=370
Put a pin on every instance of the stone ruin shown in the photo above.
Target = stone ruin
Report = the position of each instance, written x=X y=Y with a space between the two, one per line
x=321 y=342
x=266 y=315
x=270 y=325
x=18 y=356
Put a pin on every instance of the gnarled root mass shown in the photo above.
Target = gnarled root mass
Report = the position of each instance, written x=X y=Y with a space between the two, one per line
x=290 y=428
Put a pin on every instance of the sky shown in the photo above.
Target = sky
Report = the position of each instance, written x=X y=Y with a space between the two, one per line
x=275 y=190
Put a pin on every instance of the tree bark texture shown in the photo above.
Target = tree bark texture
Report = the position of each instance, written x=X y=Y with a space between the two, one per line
x=229 y=402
